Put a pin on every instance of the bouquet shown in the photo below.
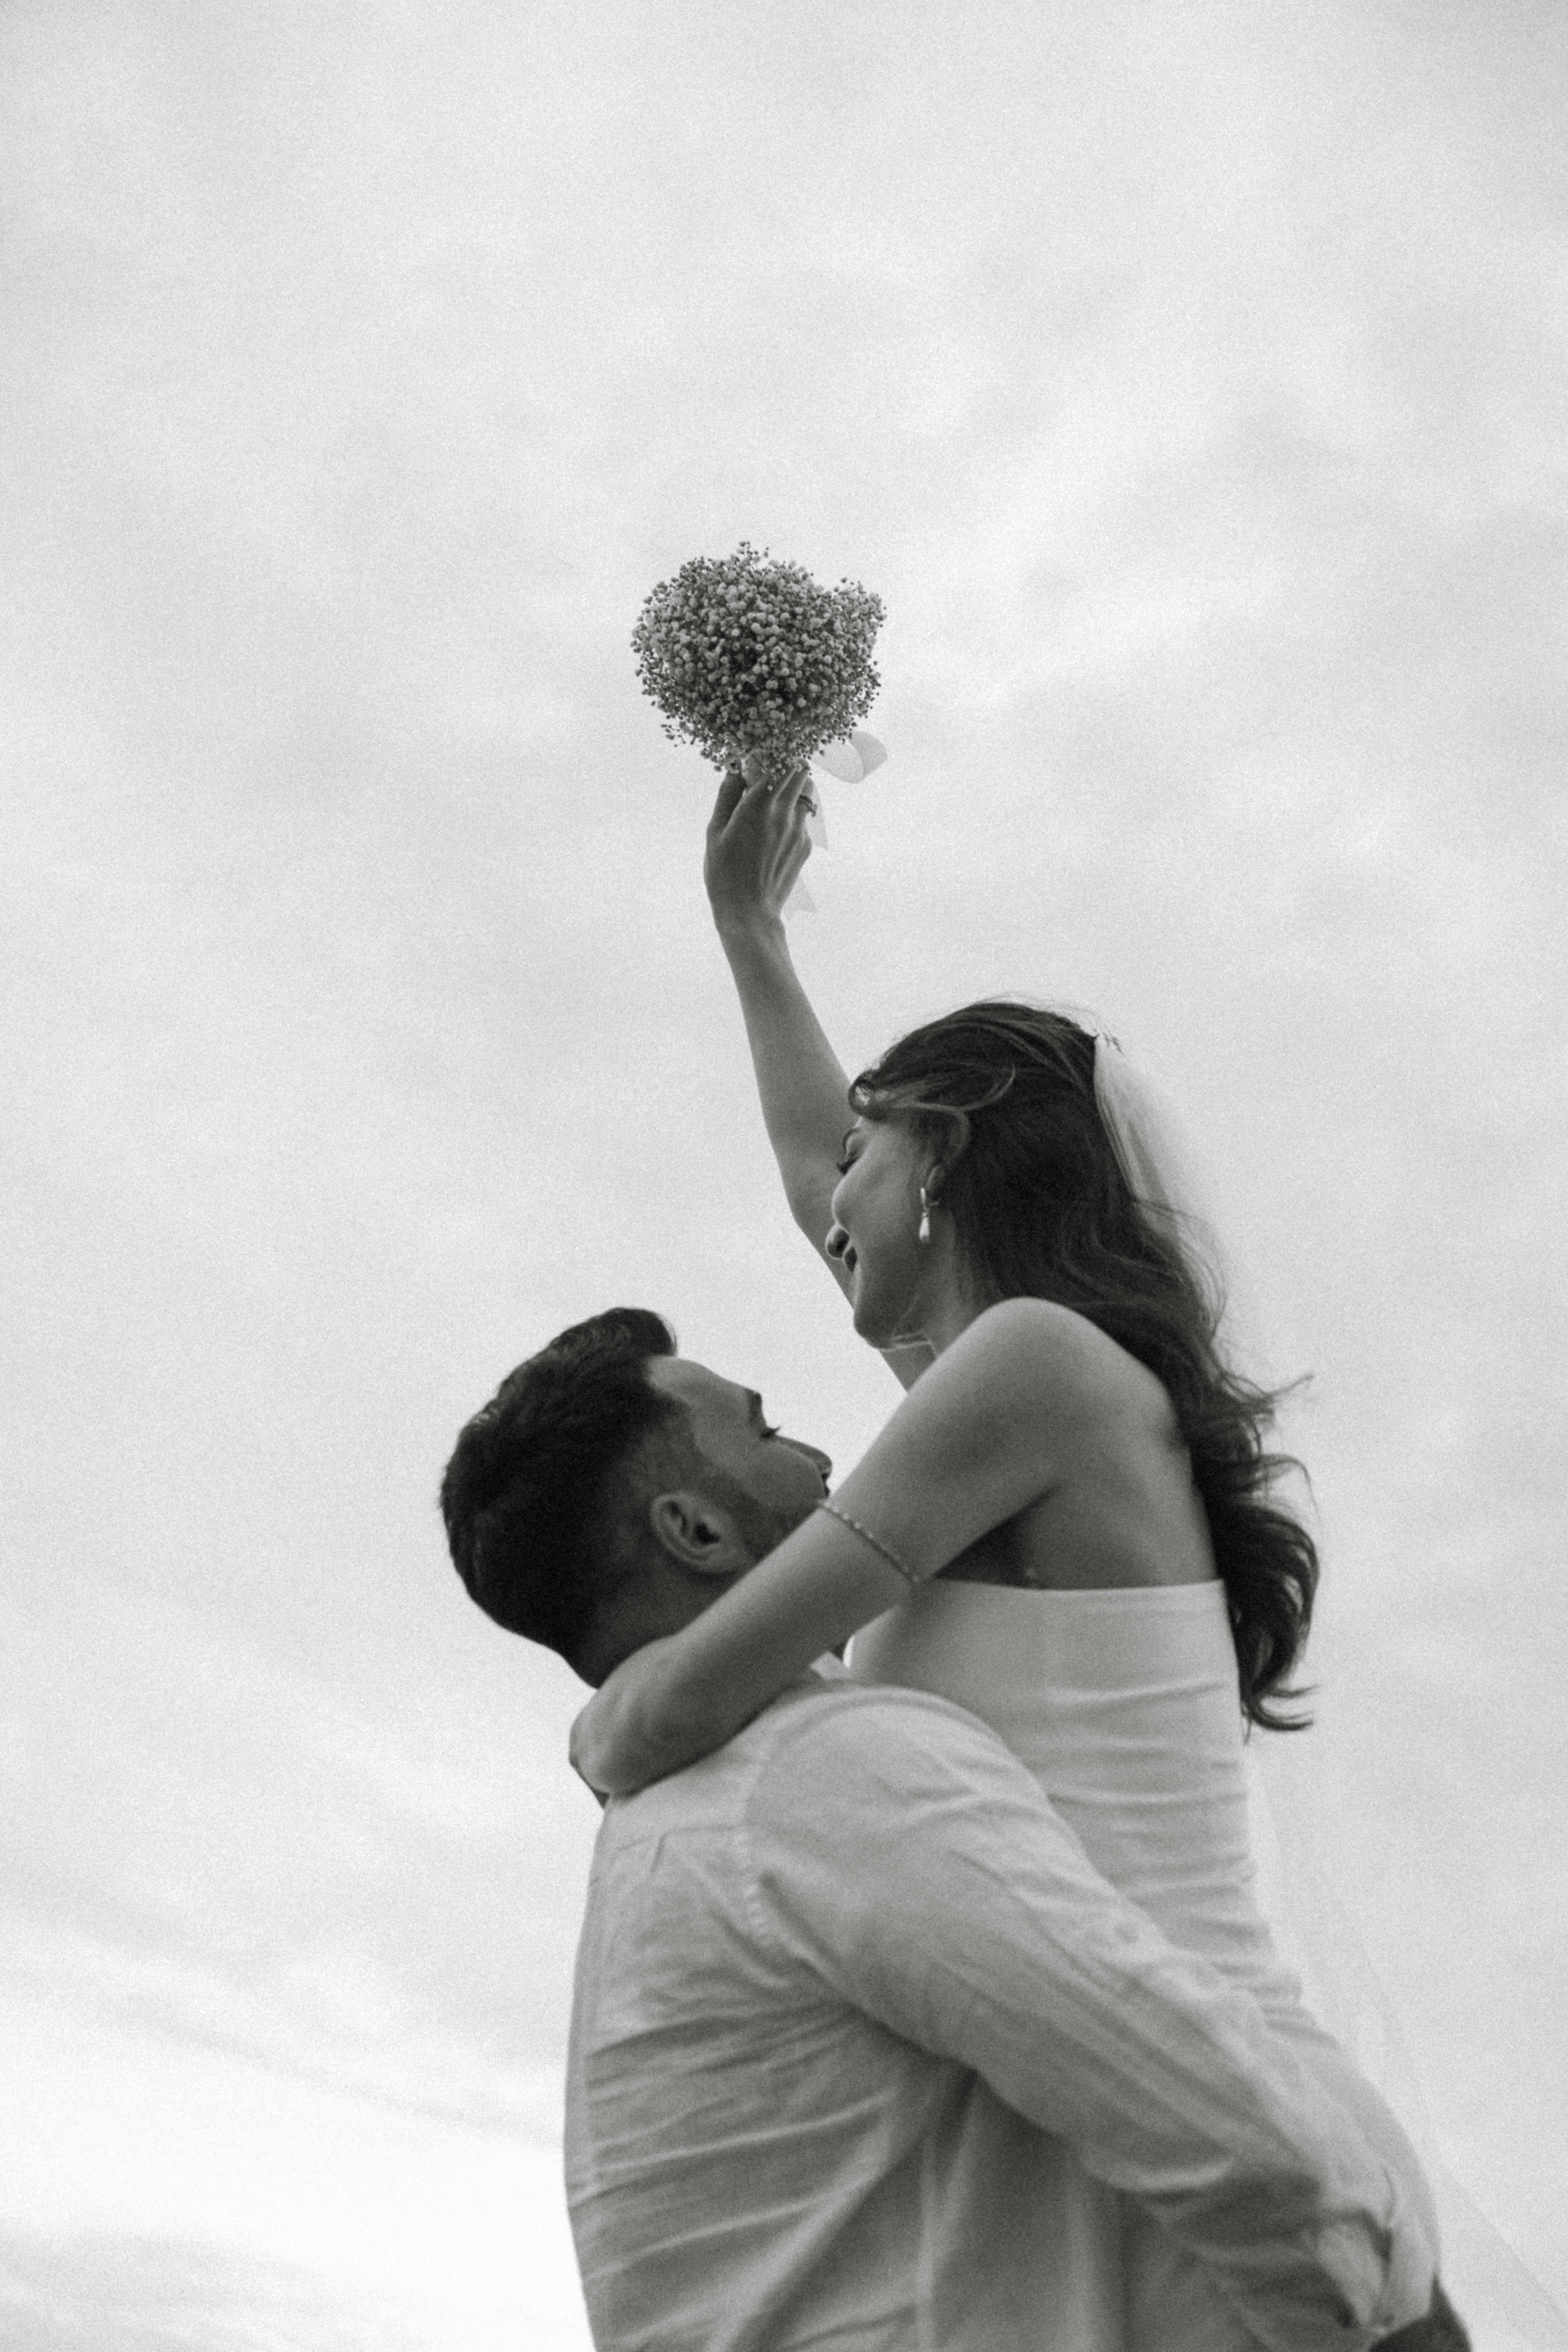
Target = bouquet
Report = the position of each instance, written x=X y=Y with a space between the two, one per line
x=744 y=655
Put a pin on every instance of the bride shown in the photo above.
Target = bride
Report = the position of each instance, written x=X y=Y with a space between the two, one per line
x=1068 y=1526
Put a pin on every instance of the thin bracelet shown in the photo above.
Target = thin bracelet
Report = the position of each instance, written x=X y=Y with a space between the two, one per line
x=875 y=1542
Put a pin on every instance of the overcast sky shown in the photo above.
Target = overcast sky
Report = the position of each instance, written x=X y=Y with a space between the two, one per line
x=1188 y=380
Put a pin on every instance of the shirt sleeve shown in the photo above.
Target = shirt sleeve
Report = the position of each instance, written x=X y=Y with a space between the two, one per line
x=900 y=1850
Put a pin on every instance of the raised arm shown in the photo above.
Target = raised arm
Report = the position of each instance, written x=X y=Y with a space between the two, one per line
x=757 y=847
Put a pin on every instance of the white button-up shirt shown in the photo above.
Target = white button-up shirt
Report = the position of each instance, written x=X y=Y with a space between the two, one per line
x=865 y=2057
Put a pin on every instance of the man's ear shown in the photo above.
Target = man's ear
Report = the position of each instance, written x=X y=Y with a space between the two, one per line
x=697 y=1534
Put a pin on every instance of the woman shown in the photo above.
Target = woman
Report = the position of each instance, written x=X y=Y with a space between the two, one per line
x=1067 y=1525
x=977 y=1204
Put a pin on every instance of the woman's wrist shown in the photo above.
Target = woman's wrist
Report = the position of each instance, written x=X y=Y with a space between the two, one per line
x=646 y=1720
x=753 y=940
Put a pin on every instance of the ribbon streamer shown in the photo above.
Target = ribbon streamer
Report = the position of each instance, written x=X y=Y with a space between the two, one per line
x=849 y=761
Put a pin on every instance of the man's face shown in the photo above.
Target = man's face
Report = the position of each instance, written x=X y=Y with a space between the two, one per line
x=782 y=1477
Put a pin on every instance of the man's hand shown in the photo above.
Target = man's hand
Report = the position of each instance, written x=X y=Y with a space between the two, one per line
x=757 y=845
x=1442 y=2330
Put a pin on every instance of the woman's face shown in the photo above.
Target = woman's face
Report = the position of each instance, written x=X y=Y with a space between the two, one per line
x=876 y=1210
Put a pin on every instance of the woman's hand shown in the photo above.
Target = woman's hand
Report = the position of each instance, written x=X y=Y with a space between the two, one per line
x=610 y=1746
x=757 y=845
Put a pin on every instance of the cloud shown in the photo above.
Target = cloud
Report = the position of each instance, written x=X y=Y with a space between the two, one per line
x=153 y=2187
x=1187 y=385
x=74 y=2294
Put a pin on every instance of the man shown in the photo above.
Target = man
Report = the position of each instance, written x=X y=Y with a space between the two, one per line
x=865 y=2055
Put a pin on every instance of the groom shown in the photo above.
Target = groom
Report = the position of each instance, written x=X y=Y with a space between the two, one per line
x=864 y=2054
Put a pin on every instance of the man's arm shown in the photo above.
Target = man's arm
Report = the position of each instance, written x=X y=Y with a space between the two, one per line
x=918 y=1868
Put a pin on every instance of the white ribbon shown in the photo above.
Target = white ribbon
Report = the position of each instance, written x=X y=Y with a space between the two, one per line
x=852 y=758
x=849 y=761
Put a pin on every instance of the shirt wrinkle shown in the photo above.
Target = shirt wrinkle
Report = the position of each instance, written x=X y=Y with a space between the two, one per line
x=842 y=1989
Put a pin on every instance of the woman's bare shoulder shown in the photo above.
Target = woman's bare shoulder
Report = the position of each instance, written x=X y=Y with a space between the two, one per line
x=1054 y=1356
x=1038 y=1335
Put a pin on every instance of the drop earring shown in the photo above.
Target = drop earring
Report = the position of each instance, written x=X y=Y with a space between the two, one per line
x=922 y=1231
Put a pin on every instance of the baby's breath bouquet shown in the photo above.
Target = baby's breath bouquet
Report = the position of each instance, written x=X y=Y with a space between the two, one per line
x=743 y=655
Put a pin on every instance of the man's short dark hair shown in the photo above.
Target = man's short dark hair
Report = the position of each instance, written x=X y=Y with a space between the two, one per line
x=529 y=1494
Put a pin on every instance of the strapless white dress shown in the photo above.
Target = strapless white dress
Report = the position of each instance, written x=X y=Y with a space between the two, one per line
x=1125 y=1707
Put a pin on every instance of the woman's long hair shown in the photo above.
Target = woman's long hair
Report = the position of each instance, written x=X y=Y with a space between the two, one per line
x=1003 y=1094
